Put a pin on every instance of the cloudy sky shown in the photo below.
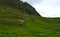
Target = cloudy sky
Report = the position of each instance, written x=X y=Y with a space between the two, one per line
x=46 y=8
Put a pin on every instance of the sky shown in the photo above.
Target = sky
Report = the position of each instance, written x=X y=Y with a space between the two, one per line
x=46 y=8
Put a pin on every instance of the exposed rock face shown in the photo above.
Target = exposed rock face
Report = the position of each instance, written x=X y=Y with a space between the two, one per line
x=30 y=10
x=23 y=6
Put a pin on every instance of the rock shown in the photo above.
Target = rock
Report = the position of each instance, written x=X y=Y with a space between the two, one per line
x=21 y=23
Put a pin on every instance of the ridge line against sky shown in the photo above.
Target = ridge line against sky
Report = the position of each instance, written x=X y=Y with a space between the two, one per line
x=46 y=8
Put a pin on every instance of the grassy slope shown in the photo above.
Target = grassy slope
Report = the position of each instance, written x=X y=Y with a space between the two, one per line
x=35 y=26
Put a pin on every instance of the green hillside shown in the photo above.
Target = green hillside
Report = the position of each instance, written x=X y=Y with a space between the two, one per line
x=33 y=26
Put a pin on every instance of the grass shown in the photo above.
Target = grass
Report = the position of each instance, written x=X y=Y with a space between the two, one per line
x=35 y=26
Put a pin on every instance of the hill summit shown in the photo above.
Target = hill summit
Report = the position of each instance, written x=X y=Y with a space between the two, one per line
x=23 y=6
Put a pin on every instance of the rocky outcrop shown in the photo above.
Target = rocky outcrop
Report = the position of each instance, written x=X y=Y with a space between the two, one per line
x=23 y=6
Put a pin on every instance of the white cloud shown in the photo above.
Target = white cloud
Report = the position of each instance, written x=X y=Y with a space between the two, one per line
x=31 y=1
x=47 y=8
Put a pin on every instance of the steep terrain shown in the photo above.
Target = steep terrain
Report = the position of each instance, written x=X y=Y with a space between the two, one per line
x=23 y=6
x=33 y=25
